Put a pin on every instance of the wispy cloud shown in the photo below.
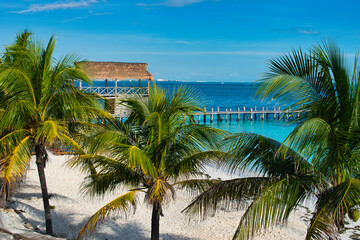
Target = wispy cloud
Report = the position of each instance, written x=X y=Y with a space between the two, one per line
x=307 y=31
x=298 y=30
x=56 y=6
x=86 y=16
x=171 y=3
x=199 y=53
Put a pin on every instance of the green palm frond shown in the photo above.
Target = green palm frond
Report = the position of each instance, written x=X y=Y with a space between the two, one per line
x=15 y=164
x=227 y=194
x=274 y=204
x=139 y=161
x=331 y=208
x=250 y=151
x=309 y=137
x=160 y=191
x=104 y=173
x=191 y=165
x=122 y=205
x=196 y=186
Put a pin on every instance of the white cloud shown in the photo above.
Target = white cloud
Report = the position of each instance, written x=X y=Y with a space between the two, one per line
x=297 y=30
x=307 y=31
x=56 y=6
x=172 y=3
x=200 y=53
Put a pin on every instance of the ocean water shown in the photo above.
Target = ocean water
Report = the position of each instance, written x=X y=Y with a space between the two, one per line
x=226 y=95
x=235 y=95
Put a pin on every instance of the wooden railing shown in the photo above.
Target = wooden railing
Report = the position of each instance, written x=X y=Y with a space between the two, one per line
x=116 y=91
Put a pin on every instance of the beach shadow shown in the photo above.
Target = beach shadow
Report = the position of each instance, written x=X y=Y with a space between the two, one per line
x=37 y=195
x=35 y=219
x=109 y=229
x=168 y=236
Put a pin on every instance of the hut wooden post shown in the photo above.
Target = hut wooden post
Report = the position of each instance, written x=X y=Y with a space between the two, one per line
x=115 y=87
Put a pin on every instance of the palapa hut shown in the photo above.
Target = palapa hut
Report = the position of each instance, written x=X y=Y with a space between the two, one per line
x=115 y=71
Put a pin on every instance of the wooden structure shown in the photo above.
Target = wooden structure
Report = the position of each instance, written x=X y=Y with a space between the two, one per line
x=251 y=114
x=116 y=71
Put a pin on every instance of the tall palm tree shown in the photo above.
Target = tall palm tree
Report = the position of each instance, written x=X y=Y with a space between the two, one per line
x=319 y=158
x=158 y=148
x=41 y=104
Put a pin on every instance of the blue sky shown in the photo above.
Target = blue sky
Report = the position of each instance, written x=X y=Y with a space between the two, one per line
x=189 y=40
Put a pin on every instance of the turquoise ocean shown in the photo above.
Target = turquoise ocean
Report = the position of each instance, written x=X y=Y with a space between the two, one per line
x=234 y=95
x=226 y=95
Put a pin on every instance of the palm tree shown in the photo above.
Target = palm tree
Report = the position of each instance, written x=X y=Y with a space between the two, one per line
x=156 y=149
x=319 y=158
x=41 y=104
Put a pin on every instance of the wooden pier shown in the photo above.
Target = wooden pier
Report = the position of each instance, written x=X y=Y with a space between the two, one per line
x=251 y=114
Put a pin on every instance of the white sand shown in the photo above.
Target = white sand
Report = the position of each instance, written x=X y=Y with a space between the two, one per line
x=72 y=210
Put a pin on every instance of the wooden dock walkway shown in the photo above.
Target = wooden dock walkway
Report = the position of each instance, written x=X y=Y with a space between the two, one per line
x=251 y=114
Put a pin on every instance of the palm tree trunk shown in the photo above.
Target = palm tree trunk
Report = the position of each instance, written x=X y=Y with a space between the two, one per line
x=40 y=162
x=155 y=221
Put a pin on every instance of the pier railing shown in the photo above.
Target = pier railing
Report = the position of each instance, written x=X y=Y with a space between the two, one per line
x=116 y=91
x=251 y=114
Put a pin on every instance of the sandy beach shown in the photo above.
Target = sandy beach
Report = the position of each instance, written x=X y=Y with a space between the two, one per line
x=72 y=210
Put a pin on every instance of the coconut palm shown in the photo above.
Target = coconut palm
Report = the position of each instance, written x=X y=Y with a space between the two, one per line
x=158 y=148
x=40 y=105
x=320 y=158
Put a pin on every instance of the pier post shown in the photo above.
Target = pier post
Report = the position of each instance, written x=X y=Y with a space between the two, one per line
x=199 y=117
x=263 y=113
x=212 y=115
x=204 y=114
x=274 y=113
x=244 y=114
x=226 y=111
x=267 y=113
x=255 y=113
x=238 y=115
x=80 y=84
x=251 y=114
x=230 y=115
x=218 y=115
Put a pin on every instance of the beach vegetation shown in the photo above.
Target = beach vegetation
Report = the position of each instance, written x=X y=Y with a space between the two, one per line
x=158 y=149
x=40 y=108
x=318 y=161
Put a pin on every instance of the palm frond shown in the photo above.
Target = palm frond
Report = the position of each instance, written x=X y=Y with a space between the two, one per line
x=227 y=194
x=160 y=191
x=331 y=208
x=274 y=204
x=15 y=164
x=121 y=205
x=196 y=186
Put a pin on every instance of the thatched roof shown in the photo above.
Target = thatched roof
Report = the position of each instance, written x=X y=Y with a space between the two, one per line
x=115 y=70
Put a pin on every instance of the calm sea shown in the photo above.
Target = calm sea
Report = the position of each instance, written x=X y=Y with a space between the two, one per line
x=228 y=95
